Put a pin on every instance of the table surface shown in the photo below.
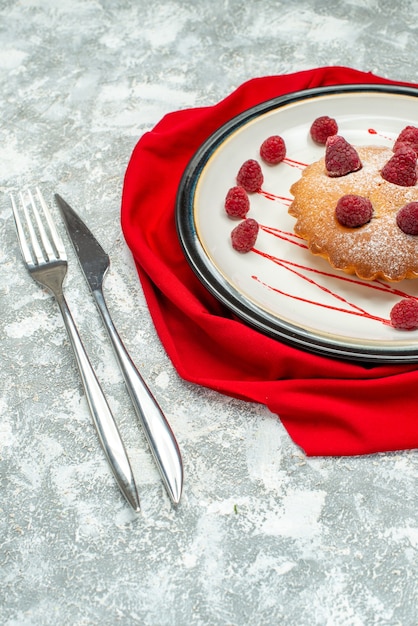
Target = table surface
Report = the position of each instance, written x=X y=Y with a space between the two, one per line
x=263 y=535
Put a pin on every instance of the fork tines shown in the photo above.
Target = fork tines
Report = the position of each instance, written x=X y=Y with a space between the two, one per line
x=46 y=243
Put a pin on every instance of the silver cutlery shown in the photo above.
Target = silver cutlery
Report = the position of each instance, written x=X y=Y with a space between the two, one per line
x=94 y=263
x=45 y=258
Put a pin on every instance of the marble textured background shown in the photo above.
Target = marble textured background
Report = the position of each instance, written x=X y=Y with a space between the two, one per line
x=263 y=535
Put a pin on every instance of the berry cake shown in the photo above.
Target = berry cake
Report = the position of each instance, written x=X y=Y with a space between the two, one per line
x=378 y=238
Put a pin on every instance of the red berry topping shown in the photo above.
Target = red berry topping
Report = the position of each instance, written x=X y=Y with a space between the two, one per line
x=401 y=169
x=407 y=218
x=250 y=176
x=404 y=315
x=340 y=157
x=273 y=150
x=408 y=136
x=353 y=211
x=322 y=128
x=237 y=202
x=244 y=235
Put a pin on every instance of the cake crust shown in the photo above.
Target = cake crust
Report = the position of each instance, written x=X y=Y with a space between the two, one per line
x=379 y=249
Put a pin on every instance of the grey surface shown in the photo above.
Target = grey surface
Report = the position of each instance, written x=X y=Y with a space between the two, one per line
x=263 y=535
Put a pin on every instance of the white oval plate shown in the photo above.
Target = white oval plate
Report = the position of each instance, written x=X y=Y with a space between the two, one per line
x=281 y=289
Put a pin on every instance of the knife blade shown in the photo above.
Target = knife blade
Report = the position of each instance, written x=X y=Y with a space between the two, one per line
x=95 y=262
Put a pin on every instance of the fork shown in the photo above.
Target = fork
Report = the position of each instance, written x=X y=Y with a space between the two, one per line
x=45 y=258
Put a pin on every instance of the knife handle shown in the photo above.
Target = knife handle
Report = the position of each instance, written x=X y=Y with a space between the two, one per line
x=103 y=419
x=160 y=437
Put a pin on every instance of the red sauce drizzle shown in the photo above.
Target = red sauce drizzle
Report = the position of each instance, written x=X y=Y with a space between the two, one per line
x=282 y=234
x=372 y=131
x=272 y=196
x=301 y=270
x=294 y=163
x=358 y=312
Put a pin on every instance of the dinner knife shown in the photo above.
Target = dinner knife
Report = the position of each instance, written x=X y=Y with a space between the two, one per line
x=94 y=263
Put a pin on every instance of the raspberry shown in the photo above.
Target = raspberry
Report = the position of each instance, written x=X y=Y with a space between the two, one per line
x=401 y=169
x=322 y=128
x=237 y=203
x=353 y=211
x=273 y=150
x=250 y=176
x=340 y=157
x=408 y=136
x=244 y=235
x=407 y=218
x=404 y=315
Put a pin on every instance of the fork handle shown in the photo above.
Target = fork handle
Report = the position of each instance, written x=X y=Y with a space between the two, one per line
x=103 y=419
x=160 y=437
